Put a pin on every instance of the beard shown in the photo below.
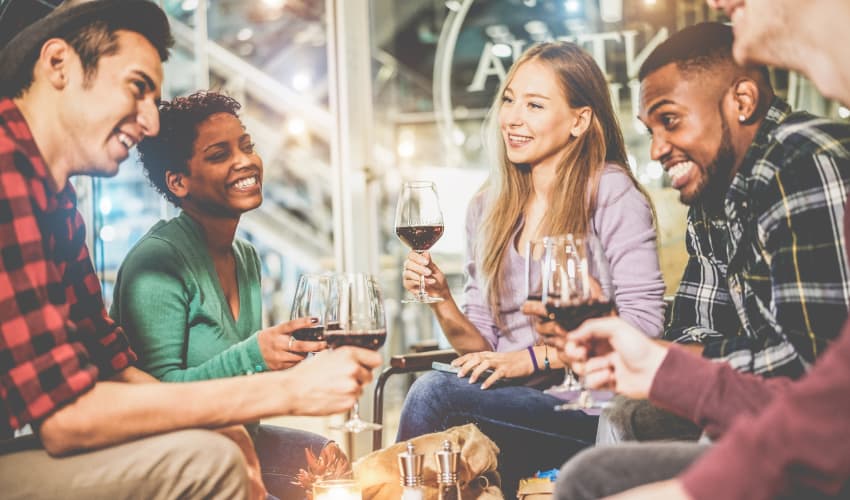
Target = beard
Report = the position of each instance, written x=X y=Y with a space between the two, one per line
x=717 y=172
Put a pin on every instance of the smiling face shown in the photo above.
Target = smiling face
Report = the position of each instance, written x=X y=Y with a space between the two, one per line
x=109 y=112
x=690 y=133
x=535 y=118
x=225 y=174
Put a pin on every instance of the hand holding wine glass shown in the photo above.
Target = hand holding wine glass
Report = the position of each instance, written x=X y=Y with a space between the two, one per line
x=419 y=224
x=578 y=286
x=362 y=323
x=313 y=298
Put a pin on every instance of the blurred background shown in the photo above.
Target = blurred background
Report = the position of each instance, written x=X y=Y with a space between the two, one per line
x=346 y=99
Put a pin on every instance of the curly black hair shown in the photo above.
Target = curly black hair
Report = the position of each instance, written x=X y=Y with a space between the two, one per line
x=178 y=130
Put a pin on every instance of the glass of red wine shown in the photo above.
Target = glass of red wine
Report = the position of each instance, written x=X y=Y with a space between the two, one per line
x=553 y=266
x=315 y=297
x=362 y=323
x=419 y=224
x=577 y=286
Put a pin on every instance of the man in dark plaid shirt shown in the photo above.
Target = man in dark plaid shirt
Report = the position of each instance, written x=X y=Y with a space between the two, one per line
x=765 y=287
x=78 y=89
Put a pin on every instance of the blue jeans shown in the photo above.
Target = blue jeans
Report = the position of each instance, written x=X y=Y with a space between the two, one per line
x=281 y=454
x=531 y=436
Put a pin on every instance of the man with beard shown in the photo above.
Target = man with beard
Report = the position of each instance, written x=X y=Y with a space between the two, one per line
x=778 y=437
x=765 y=286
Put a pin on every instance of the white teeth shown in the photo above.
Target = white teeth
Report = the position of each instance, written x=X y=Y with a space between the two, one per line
x=518 y=138
x=125 y=140
x=242 y=184
x=680 y=169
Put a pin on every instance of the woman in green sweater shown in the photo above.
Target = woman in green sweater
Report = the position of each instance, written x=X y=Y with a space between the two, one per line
x=188 y=293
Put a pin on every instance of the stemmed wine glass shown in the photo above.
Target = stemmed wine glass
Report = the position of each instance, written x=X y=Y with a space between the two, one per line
x=578 y=286
x=549 y=256
x=419 y=224
x=315 y=297
x=362 y=323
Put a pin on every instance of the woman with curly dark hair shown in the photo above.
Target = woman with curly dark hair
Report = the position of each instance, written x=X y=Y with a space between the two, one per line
x=188 y=293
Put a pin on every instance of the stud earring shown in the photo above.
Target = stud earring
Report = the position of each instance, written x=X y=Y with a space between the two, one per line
x=742 y=118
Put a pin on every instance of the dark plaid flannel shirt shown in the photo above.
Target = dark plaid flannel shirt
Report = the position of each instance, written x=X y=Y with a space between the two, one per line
x=55 y=335
x=767 y=286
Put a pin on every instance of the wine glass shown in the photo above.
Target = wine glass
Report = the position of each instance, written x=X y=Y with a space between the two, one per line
x=419 y=224
x=580 y=287
x=535 y=253
x=362 y=323
x=313 y=299
x=555 y=264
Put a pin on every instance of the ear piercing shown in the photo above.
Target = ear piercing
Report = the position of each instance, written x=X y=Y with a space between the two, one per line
x=742 y=118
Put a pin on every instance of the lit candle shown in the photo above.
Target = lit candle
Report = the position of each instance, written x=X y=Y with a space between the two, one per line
x=336 y=489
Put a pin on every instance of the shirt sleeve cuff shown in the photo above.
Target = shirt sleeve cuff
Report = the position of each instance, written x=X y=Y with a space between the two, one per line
x=252 y=358
x=33 y=390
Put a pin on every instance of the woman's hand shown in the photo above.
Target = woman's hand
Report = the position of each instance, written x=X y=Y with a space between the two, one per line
x=417 y=265
x=281 y=350
x=503 y=364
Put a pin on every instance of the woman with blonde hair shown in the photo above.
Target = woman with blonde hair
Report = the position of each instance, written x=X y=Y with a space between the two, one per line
x=561 y=168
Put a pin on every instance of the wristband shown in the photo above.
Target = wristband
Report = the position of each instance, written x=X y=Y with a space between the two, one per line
x=533 y=359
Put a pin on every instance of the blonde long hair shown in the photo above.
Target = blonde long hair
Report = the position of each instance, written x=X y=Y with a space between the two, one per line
x=577 y=177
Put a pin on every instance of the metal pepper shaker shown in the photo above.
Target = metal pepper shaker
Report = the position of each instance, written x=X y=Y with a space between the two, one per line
x=410 y=473
x=447 y=465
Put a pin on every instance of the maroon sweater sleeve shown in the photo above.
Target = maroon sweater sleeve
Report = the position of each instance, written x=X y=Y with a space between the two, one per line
x=800 y=438
x=710 y=393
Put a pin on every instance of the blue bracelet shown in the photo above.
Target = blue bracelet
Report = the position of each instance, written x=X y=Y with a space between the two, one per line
x=533 y=359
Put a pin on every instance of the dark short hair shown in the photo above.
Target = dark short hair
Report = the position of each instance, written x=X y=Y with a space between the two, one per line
x=172 y=148
x=90 y=29
x=700 y=47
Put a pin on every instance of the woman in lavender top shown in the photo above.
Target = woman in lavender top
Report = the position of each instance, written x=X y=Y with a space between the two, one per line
x=561 y=168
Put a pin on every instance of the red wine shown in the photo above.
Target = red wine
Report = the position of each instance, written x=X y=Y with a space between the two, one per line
x=570 y=316
x=310 y=333
x=419 y=238
x=370 y=339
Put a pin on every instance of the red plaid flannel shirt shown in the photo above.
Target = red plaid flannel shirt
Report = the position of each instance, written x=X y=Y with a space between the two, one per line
x=55 y=335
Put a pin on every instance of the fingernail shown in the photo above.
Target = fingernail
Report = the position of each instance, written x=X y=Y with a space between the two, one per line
x=314 y=320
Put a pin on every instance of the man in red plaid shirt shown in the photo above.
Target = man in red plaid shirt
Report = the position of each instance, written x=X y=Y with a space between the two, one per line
x=78 y=89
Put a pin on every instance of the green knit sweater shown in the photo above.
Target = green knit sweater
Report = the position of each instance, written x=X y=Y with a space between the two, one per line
x=169 y=300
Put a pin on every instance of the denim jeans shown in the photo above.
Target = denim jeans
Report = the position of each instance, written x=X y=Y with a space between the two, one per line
x=281 y=454
x=531 y=436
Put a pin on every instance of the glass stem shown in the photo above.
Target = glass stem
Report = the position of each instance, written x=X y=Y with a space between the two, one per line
x=355 y=411
x=422 y=293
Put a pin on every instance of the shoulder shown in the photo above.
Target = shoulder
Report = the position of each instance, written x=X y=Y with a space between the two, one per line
x=801 y=140
x=615 y=184
x=805 y=133
x=156 y=249
x=477 y=205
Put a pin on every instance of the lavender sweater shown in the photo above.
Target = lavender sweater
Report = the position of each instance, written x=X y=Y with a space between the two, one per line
x=623 y=222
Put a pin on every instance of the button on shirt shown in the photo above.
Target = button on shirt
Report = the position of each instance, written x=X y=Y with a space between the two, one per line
x=766 y=284
x=55 y=336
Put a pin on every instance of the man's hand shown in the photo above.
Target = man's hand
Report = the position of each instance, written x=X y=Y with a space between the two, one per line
x=281 y=350
x=240 y=436
x=503 y=364
x=667 y=490
x=619 y=357
x=330 y=382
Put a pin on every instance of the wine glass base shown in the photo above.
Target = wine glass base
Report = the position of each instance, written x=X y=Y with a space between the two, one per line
x=356 y=425
x=421 y=300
